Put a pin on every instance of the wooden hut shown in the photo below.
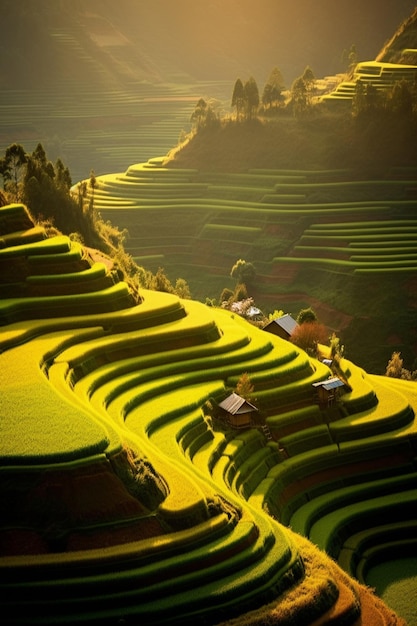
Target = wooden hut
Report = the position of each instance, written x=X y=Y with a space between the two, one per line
x=237 y=412
x=328 y=391
x=283 y=326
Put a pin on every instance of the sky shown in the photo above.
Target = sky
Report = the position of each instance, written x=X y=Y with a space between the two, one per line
x=210 y=36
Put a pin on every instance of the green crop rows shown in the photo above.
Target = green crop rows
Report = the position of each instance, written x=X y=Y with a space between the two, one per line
x=85 y=376
x=198 y=223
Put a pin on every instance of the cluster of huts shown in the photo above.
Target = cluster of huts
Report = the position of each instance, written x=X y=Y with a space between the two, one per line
x=236 y=412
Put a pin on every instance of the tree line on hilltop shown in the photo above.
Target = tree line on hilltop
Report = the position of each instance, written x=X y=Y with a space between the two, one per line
x=301 y=100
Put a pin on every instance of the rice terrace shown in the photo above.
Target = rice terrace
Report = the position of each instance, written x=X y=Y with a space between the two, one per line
x=230 y=448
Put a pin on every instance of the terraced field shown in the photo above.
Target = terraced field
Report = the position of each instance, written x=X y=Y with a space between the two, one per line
x=190 y=219
x=380 y=75
x=100 y=129
x=125 y=501
x=326 y=239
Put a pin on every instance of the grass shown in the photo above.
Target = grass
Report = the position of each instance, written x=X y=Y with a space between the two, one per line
x=32 y=423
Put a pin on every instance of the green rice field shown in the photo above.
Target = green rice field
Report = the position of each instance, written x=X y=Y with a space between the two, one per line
x=190 y=219
x=127 y=500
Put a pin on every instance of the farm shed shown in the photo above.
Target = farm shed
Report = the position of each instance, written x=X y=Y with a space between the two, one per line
x=237 y=412
x=283 y=326
x=328 y=390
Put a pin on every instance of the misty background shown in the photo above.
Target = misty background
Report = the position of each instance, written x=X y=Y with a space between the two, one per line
x=104 y=84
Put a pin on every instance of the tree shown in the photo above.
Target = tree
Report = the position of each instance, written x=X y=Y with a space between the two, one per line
x=272 y=93
x=308 y=336
x=182 y=289
x=251 y=98
x=63 y=176
x=358 y=100
x=199 y=114
x=238 y=98
x=366 y=100
x=299 y=99
x=276 y=79
x=395 y=368
x=351 y=59
x=306 y=316
x=309 y=80
x=275 y=315
x=336 y=348
x=46 y=191
x=12 y=168
x=160 y=282
x=244 y=387
x=302 y=91
x=93 y=185
x=243 y=271
x=226 y=295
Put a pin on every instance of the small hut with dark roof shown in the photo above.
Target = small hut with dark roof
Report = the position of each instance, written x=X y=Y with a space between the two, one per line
x=237 y=412
x=283 y=326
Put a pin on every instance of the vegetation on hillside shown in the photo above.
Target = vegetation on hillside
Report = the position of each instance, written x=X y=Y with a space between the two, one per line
x=46 y=189
x=139 y=375
x=295 y=128
x=395 y=368
x=401 y=47
x=336 y=471
x=271 y=127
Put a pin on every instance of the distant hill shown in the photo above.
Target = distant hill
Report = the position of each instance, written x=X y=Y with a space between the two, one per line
x=399 y=49
x=104 y=84
x=61 y=43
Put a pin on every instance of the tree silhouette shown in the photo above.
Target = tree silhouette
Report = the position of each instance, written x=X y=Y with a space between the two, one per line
x=299 y=99
x=243 y=271
x=12 y=168
x=272 y=93
x=199 y=114
x=238 y=98
x=251 y=98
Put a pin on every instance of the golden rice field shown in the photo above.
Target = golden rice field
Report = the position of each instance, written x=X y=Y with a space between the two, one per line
x=127 y=501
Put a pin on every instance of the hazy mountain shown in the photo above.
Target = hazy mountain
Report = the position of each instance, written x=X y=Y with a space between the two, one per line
x=104 y=84
x=66 y=42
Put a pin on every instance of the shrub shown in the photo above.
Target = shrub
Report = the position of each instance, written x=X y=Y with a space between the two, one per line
x=244 y=387
x=308 y=336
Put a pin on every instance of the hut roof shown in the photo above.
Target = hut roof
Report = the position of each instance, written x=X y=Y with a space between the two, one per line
x=235 y=404
x=285 y=323
x=330 y=383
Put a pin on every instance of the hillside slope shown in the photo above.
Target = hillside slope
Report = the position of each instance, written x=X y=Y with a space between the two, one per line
x=335 y=240
x=401 y=48
x=127 y=502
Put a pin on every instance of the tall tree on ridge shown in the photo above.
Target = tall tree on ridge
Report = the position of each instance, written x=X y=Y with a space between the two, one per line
x=238 y=98
x=251 y=95
x=272 y=94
